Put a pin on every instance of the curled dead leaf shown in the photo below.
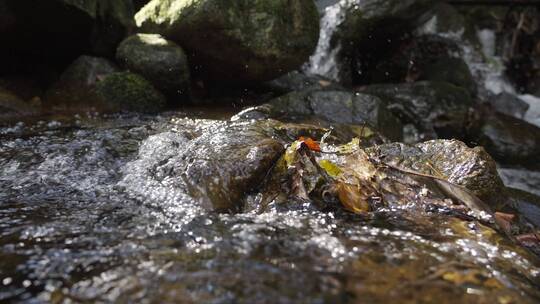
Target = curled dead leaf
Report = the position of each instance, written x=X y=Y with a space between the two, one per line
x=352 y=198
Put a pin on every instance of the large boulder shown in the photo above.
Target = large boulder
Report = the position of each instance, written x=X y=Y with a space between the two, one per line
x=332 y=106
x=63 y=29
x=436 y=109
x=427 y=57
x=471 y=168
x=237 y=40
x=160 y=61
x=371 y=30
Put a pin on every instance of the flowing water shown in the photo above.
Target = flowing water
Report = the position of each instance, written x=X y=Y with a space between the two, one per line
x=85 y=218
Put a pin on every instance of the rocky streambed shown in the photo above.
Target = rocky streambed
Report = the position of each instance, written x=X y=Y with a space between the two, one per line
x=193 y=152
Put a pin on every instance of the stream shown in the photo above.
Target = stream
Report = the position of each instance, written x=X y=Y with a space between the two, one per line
x=85 y=218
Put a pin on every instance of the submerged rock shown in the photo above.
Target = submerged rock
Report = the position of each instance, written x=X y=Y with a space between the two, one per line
x=76 y=87
x=472 y=168
x=332 y=106
x=129 y=92
x=160 y=61
x=437 y=109
x=508 y=139
x=237 y=41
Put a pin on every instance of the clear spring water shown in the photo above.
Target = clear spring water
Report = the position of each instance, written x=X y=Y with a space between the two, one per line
x=85 y=218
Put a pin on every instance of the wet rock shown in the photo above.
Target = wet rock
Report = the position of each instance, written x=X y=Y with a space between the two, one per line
x=255 y=41
x=129 y=92
x=160 y=61
x=472 y=168
x=520 y=178
x=428 y=57
x=509 y=104
x=527 y=204
x=509 y=140
x=297 y=81
x=372 y=30
x=333 y=106
x=445 y=18
x=214 y=168
x=219 y=168
x=65 y=28
x=450 y=70
x=76 y=87
x=437 y=109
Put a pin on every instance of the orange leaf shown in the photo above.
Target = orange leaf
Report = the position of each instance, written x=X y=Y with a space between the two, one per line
x=310 y=143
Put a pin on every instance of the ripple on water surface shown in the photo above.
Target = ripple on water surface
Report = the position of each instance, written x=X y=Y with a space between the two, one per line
x=88 y=212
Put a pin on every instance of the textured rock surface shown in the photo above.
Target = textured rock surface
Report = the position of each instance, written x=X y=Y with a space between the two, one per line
x=508 y=139
x=333 y=106
x=240 y=40
x=160 y=61
x=471 y=168
x=129 y=92
x=437 y=109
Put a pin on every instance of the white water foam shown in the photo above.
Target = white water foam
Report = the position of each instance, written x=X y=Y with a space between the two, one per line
x=324 y=61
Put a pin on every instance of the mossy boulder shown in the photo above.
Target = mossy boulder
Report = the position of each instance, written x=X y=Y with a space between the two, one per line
x=472 y=168
x=160 y=61
x=125 y=91
x=436 y=109
x=76 y=87
x=330 y=106
x=234 y=41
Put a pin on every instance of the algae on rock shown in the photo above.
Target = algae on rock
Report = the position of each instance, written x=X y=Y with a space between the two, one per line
x=237 y=40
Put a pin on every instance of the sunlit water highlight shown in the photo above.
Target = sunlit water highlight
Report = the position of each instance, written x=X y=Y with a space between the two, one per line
x=87 y=214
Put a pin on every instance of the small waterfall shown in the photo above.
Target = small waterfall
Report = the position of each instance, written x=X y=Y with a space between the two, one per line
x=486 y=66
x=324 y=61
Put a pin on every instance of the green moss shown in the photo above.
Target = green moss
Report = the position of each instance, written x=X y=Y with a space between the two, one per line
x=130 y=92
x=160 y=61
x=256 y=40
